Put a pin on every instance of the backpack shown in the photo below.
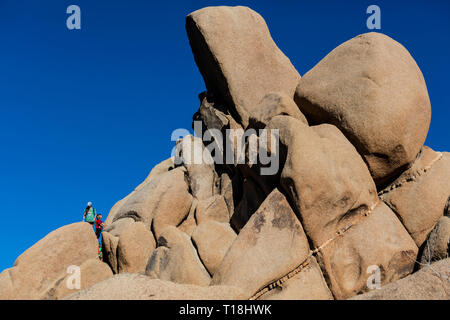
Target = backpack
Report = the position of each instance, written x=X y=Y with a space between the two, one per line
x=90 y=215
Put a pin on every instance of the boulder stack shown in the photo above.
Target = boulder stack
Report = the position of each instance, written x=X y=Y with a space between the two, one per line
x=356 y=198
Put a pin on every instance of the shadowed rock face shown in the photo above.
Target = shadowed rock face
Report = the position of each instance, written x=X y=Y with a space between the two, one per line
x=177 y=260
x=316 y=229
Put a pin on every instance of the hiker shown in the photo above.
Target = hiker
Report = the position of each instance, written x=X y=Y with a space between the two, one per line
x=89 y=214
x=98 y=225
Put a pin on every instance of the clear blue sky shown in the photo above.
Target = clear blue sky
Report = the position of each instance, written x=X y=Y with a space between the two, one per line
x=85 y=115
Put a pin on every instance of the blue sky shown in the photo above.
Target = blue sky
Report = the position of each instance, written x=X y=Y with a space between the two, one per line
x=86 y=114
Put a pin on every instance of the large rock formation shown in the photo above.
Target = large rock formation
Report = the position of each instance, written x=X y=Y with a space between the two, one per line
x=354 y=189
x=36 y=269
x=373 y=91
x=141 y=287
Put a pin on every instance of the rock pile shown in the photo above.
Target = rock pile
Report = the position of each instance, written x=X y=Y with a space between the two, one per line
x=355 y=188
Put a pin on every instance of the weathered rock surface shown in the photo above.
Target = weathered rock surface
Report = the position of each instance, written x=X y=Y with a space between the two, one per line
x=214 y=208
x=189 y=224
x=141 y=287
x=437 y=246
x=308 y=284
x=275 y=104
x=160 y=168
x=270 y=245
x=325 y=178
x=91 y=272
x=117 y=227
x=135 y=247
x=109 y=249
x=237 y=58
x=37 y=268
x=420 y=194
x=168 y=192
x=201 y=176
x=251 y=199
x=176 y=260
x=373 y=91
x=376 y=240
x=430 y=283
x=314 y=229
x=212 y=240
x=127 y=245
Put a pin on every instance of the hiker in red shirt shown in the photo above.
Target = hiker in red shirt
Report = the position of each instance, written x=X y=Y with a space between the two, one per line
x=98 y=225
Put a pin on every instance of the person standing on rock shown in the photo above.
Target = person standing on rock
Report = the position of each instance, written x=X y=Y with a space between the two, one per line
x=89 y=214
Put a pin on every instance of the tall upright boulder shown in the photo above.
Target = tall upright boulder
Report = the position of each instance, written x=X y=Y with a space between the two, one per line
x=238 y=58
x=175 y=259
x=323 y=175
x=134 y=248
x=168 y=192
x=373 y=91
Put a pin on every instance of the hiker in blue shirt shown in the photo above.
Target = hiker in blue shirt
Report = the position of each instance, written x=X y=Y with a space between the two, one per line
x=89 y=214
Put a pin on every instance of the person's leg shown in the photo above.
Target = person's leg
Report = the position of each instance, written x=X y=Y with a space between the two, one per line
x=98 y=232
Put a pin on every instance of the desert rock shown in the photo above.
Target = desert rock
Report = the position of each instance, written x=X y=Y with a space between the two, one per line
x=221 y=38
x=420 y=194
x=373 y=91
x=37 y=268
x=268 y=247
x=141 y=287
x=176 y=260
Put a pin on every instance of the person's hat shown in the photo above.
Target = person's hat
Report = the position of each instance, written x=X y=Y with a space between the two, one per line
x=89 y=204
